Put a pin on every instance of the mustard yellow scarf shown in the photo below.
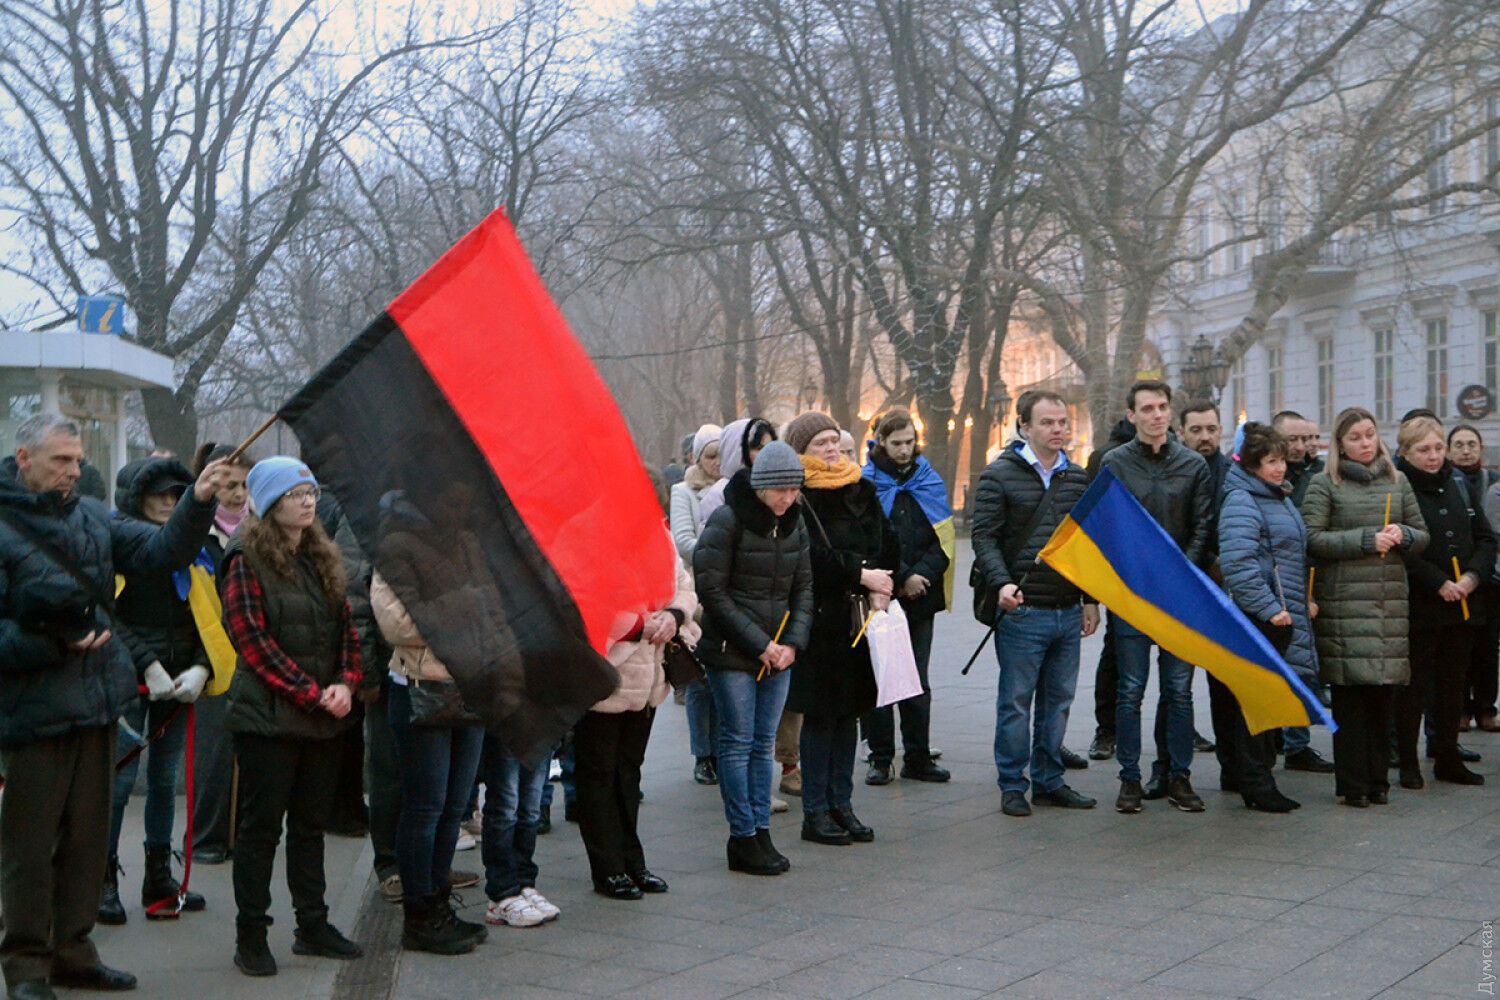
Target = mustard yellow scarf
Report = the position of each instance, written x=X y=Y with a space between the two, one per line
x=819 y=475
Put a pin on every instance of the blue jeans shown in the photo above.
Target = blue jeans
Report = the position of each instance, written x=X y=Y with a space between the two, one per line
x=437 y=771
x=748 y=716
x=703 y=720
x=512 y=806
x=163 y=758
x=828 y=744
x=1133 y=654
x=1038 y=650
x=1294 y=739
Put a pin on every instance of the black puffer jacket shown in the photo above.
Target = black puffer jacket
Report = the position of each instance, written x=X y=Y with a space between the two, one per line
x=1177 y=490
x=849 y=533
x=1300 y=475
x=750 y=568
x=1007 y=498
x=1122 y=432
x=921 y=550
x=1459 y=529
x=46 y=689
x=159 y=624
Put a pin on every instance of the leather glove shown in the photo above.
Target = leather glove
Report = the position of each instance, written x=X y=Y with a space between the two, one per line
x=158 y=682
x=189 y=684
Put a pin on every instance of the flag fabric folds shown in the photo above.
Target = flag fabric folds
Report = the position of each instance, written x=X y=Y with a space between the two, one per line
x=1113 y=550
x=469 y=407
x=926 y=487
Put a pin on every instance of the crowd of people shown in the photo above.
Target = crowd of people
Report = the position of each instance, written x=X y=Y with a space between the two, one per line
x=240 y=589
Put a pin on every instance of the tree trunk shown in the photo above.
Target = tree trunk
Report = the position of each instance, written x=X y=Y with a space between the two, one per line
x=174 y=425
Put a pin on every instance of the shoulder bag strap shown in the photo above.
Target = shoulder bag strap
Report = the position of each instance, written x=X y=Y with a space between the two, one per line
x=1043 y=508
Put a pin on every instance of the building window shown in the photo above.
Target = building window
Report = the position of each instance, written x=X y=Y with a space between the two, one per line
x=1237 y=230
x=1325 y=381
x=1492 y=351
x=1273 y=378
x=1237 y=385
x=1385 y=371
x=1437 y=367
x=1437 y=170
x=1205 y=240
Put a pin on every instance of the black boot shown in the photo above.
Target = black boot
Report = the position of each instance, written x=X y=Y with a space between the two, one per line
x=478 y=932
x=764 y=837
x=858 y=832
x=111 y=910
x=427 y=925
x=745 y=855
x=159 y=885
x=323 y=940
x=251 y=954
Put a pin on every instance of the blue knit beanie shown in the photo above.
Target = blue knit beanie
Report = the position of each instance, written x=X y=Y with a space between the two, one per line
x=273 y=479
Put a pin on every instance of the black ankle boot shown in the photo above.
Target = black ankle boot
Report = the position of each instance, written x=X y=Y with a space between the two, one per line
x=428 y=925
x=252 y=956
x=764 y=838
x=159 y=885
x=111 y=910
x=745 y=855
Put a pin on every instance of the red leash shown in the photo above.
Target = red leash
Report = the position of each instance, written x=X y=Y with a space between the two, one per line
x=165 y=909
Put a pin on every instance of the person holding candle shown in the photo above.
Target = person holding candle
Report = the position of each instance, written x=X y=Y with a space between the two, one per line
x=1363 y=525
x=753 y=572
x=1447 y=608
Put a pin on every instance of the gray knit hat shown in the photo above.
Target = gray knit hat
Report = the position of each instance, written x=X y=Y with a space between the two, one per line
x=777 y=467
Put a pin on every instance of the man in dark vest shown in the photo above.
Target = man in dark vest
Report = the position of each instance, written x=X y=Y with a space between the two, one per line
x=64 y=680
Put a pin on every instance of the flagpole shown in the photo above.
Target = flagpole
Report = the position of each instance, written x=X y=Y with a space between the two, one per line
x=254 y=437
x=986 y=640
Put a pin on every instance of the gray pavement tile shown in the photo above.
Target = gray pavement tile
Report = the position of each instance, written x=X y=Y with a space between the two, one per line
x=1055 y=985
x=1460 y=969
x=823 y=982
x=1244 y=906
x=601 y=979
x=1133 y=966
x=972 y=973
x=685 y=986
x=911 y=989
x=890 y=960
x=1207 y=977
x=747 y=970
x=1275 y=946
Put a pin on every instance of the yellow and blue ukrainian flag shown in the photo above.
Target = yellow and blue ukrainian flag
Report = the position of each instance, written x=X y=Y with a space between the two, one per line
x=1113 y=550
x=926 y=487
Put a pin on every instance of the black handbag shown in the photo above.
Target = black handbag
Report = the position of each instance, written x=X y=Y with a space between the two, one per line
x=681 y=665
x=438 y=705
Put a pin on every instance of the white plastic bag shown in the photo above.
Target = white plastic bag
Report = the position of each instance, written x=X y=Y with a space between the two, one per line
x=891 y=656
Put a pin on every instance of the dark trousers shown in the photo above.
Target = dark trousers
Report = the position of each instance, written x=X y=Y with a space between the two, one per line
x=286 y=781
x=383 y=782
x=1106 y=681
x=879 y=724
x=608 y=748
x=350 y=814
x=437 y=765
x=1361 y=752
x=1439 y=669
x=213 y=776
x=1245 y=761
x=54 y=827
x=1483 y=686
x=828 y=744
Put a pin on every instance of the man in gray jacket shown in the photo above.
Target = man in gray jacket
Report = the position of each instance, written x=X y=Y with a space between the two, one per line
x=64 y=680
x=1173 y=483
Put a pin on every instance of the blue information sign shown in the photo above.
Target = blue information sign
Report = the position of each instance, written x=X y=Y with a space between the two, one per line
x=101 y=314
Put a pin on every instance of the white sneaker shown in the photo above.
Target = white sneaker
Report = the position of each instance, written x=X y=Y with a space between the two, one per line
x=514 y=911
x=554 y=770
x=779 y=805
x=541 y=904
x=466 y=841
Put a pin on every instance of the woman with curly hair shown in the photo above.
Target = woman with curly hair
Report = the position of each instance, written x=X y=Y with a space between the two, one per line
x=298 y=665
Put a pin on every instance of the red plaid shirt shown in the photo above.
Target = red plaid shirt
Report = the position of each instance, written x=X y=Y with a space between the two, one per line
x=245 y=613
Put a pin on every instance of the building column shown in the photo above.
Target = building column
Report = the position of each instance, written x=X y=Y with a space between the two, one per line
x=122 y=445
x=51 y=382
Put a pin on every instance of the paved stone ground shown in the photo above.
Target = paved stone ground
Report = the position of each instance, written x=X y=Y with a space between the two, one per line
x=953 y=900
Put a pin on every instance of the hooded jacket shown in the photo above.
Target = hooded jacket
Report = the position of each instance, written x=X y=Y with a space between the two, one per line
x=1263 y=554
x=46 y=689
x=734 y=455
x=1460 y=530
x=1362 y=598
x=160 y=625
x=751 y=568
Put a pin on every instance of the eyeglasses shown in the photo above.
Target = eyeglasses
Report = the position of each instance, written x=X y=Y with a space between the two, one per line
x=303 y=494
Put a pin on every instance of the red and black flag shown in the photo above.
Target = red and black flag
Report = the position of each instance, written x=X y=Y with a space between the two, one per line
x=467 y=425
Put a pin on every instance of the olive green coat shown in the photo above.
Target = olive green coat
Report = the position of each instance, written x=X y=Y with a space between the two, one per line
x=1362 y=615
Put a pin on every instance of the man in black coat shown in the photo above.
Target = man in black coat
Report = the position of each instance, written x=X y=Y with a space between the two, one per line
x=1302 y=461
x=1022 y=497
x=1173 y=483
x=63 y=682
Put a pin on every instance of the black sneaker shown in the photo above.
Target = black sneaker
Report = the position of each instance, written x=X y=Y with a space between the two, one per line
x=1072 y=761
x=1202 y=744
x=1103 y=747
x=704 y=772
x=1156 y=787
x=858 y=832
x=880 y=773
x=1308 y=759
x=1271 y=801
x=1014 y=804
x=1129 y=800
x=1180 y=793
x=1464 y=754
x=1062 y=797
x=253 y=957
x=324 y=941
x=923 y=769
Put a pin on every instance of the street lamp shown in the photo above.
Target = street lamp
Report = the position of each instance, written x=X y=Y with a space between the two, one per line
x=1205 y=371
x=999 y=401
